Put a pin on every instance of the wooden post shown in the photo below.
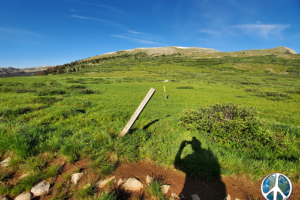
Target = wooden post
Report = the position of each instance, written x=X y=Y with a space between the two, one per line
x=165 y=93
x=137 y=112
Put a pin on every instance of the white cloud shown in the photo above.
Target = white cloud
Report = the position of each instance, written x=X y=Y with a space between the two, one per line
x=97 y=19
x=258 y=22
x=19 y=32
x=132 y=39
x=210 y=31
x=263 y=30
x=134 y=32
x=112 y=9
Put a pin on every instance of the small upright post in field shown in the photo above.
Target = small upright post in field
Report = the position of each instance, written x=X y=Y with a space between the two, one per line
x=165 y=93
x=137 y=112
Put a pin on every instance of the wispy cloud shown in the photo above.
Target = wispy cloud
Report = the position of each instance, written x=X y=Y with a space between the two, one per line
x=210 y=31
x=137 y=40
x=137 y=37
x=258 y=22
x=19 y=32
x=263 y=30
x=134 y=32
x=97 y=19
x=110 y=8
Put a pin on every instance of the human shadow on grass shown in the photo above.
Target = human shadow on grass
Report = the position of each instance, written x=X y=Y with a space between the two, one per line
x=203 y=172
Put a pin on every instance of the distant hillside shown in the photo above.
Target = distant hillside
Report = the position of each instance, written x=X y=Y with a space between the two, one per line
x=11 y=71
x=196 y=52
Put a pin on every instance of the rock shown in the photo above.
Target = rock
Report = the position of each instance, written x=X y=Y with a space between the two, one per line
x=3 y=198
x=165 y=188
x=149 y=179
x=227 y=197
x=174 y=196
x=24 y=196
x=181 y=196
x=25 y=175
x=75 y=177
x=121 y=181
x=61 y=167
x=103 y=183
x=133 y=184
x=237 y=199
x=41 y=188
x=165 y=81
x=5 y=162
x=195 y=197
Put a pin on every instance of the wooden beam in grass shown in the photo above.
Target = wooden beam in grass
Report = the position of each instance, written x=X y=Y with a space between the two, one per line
x=137 y=112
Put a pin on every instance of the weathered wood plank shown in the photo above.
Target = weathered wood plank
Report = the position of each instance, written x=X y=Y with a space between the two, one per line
x=137 y=112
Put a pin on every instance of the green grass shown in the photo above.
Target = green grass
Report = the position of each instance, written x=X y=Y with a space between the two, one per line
x=80 y=114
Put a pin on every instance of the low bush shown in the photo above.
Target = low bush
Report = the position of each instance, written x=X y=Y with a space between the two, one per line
x=76 y=87
x=185 y=87
x=46 y=100
x=13 y=112
x=38 y=84
x=235 y=127
x=50 y=91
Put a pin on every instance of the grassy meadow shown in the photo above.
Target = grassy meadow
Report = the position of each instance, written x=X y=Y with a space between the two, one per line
x=80 y=114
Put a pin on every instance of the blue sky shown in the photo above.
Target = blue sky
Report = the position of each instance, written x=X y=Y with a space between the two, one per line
x=53 y=32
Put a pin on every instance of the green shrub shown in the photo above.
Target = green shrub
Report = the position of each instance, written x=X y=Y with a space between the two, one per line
x=38 y=84
x=27 y=140
x=185 y=87
x=76 y=87
x=46 y=100
x=50 y=91
x=13 y=112
x=235 y=127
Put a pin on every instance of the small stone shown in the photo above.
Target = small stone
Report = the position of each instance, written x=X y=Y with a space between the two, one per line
x=181 y=196
x=75 y=177
x=121 y=181
x=165 y=188
x=174 y=196
x=41 y=188
x=195 y=197
x=3 y=198
x=133 y=184
x=227 y=197
x=24 y=196
x=165 y=81
x=103 y=183
x=25 y=175
x=5 y=162
x=149 y=179
x=61 y=166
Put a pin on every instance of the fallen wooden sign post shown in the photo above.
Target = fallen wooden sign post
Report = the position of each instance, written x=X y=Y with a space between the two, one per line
x=137 y=112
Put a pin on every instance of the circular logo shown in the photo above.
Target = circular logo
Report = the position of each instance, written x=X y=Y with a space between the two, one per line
x=276 y=186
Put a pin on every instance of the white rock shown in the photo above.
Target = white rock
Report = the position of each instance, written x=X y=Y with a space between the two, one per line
x=121 y=181
x=195 y=197
x=227 y=197
x=3 y=198
x=103 y=183
x=133 y=184
x=149 y=179
x=41 y=188
x=75 y=177
x=24 y=196
x=5 y=162
x=165 y=81
x=25 y=175
x=174 y=196
x=165 y=188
